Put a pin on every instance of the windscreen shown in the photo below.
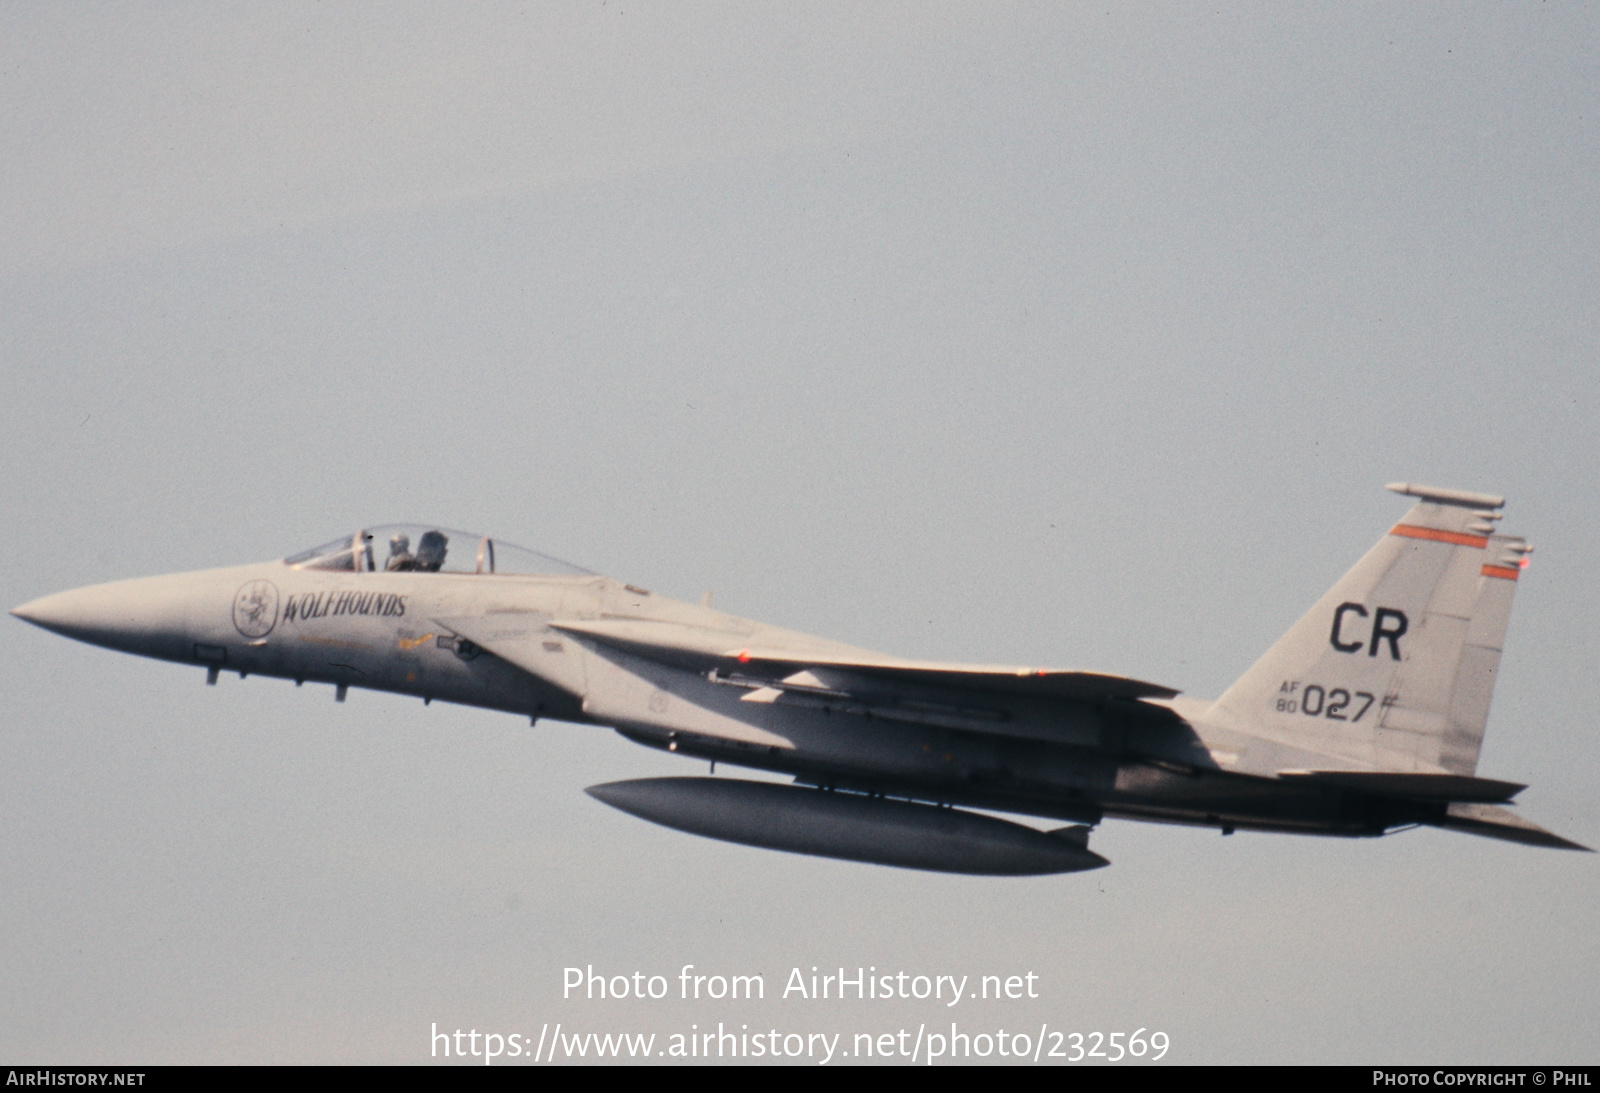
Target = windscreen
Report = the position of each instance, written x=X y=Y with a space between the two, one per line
x=419 y=548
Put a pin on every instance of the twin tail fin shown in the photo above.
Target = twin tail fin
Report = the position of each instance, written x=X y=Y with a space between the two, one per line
x=1394 y=668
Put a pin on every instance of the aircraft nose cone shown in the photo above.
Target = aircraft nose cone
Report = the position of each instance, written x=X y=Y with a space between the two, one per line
x=63 y=612
x=148 y=616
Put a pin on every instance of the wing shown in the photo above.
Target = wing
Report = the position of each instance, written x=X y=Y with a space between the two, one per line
x=831 y=671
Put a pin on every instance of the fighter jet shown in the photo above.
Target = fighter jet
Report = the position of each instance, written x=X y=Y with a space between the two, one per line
x=1365 y=718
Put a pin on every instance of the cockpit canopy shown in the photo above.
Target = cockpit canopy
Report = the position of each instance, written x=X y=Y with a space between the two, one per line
x=418 y=548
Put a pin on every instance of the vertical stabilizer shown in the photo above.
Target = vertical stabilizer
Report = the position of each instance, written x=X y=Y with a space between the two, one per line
x=1394 y=668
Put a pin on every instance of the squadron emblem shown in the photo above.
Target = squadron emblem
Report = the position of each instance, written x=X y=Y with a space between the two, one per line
x=255 y=609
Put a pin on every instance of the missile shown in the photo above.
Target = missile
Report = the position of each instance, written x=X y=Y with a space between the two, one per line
x=834 y=824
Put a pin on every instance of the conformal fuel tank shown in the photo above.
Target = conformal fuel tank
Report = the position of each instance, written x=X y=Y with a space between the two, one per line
x=849 y=826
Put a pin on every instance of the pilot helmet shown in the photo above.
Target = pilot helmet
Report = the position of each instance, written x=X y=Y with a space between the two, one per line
x=400 y=544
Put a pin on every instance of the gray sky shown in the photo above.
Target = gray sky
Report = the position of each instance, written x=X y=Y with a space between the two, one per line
x=1011 y=333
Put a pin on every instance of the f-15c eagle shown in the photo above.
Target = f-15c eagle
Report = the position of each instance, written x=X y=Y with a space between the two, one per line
x=1366 y=717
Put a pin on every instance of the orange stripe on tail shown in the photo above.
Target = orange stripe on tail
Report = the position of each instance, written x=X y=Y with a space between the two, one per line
x=1411 y=531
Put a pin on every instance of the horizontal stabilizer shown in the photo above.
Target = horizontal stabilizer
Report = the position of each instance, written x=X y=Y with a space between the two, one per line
x=706 y=650
x=1502 y=823
x=1416 y=787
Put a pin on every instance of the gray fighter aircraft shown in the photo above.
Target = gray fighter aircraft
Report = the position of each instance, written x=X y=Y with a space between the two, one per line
x=1366 y=717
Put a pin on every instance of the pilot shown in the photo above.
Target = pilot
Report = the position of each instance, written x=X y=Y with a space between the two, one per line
x=400 y=557
x=430 y=551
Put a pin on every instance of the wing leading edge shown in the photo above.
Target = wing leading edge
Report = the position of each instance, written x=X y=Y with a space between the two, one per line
x=705 y=650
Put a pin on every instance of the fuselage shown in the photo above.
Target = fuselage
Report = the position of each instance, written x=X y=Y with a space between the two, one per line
x=1366 y=715
x=403 y=632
